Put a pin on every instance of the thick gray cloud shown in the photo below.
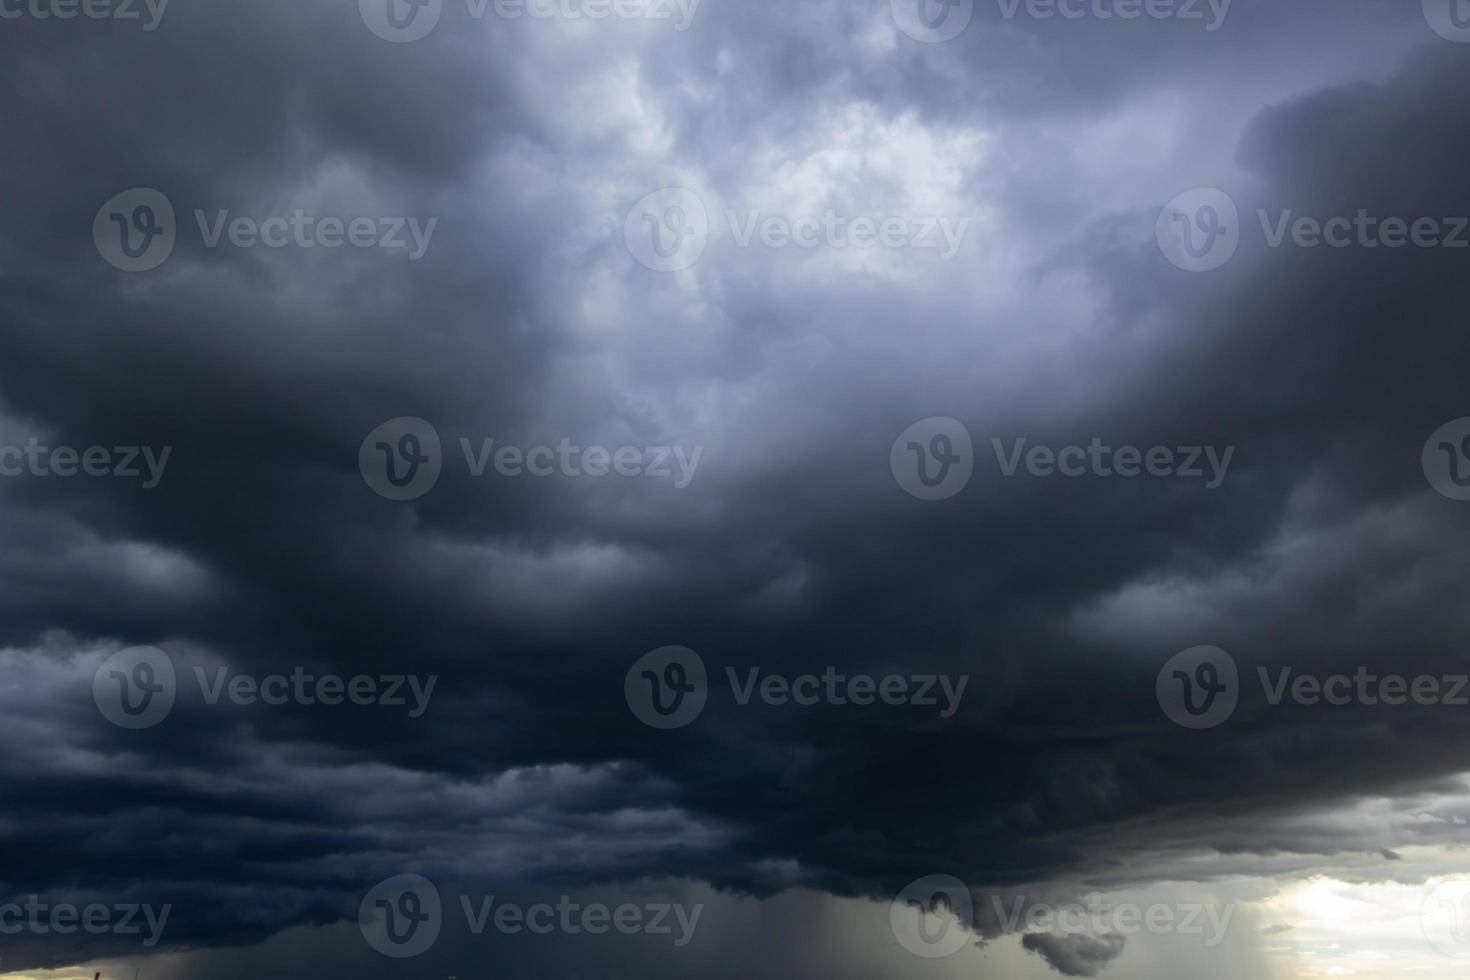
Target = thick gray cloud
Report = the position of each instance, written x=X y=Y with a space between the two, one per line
x=1075 y=955
x=793 y=549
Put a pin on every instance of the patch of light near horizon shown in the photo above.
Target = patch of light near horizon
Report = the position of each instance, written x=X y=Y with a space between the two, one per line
x=1326 y=927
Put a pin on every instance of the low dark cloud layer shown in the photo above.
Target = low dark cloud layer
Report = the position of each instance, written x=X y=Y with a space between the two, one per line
x=1075 y=955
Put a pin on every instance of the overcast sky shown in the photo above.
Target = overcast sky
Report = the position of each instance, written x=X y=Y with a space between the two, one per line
x=768 y=462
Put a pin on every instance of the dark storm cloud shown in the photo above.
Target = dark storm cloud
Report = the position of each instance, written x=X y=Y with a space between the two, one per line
x=1075 y=955
x=527 y=321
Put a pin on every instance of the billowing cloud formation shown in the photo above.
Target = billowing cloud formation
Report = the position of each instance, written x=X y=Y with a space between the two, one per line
x=528 y=320
x=1075 y=955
